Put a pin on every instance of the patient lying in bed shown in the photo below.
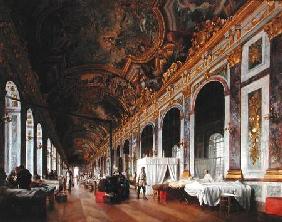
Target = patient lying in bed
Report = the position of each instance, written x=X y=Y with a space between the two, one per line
x=207 y=178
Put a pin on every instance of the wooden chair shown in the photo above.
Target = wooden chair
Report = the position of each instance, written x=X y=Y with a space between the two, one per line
x=227 y=201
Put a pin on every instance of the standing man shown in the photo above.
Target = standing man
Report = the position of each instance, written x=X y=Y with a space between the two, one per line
x=141 y=183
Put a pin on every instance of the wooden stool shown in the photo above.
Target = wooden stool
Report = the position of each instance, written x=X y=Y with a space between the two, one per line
x=225 y=203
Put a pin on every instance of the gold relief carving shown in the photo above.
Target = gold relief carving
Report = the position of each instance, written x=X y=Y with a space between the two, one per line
x=273 y=175
x=234 y=174
x=207 y=75
x=234 y=35
x=255 y=125
x=235 y=57
x=271 y=4
x=274 y=27
x=155 y=115
x=187 y=92
x=178 y=100
x=204 y=32
x=162 y=57
x=171 y=70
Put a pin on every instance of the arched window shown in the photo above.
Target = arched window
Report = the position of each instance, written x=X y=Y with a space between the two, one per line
x=49 y=145
x=170 y=132
x=147 y=139
x=12 y=120
x=30 y=141
x=59 y=164
x=53 y=158
x=216 y=144
x=39 y=149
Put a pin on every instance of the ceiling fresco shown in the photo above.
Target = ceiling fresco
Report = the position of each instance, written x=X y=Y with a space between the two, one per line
x=96 y=57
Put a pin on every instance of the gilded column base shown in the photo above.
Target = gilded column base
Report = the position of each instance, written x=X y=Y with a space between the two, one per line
x=186 y=174
x=235 y=174
x=273 y=175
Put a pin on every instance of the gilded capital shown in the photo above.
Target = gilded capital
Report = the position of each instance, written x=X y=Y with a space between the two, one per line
x=235 y=56
x=187 y=92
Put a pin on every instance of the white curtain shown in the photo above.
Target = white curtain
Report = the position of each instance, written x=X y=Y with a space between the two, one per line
x=161 y=169
x=156 y=168
x=173 y=171
x=205 y=164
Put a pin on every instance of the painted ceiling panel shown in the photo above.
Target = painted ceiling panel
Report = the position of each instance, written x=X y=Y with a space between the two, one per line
x=95 y=57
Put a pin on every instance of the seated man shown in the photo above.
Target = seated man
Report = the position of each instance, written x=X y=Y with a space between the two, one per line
x=207 y=178
x=24 y=178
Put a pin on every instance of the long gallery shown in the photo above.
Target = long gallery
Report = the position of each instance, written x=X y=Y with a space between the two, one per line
x=140 y=110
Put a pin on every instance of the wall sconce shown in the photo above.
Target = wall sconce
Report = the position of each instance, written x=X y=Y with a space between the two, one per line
x=229 y=128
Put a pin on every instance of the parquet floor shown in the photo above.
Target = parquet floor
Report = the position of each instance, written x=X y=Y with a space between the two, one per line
x=81 y=207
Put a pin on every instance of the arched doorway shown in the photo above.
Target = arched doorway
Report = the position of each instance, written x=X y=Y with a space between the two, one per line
x=12 y=121
x=30 y=141
x=147 y=141
x=209 y=130
x=171 y=132
x=39 y=149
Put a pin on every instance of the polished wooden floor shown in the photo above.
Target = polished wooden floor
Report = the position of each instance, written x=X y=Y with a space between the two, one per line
x=81 y=207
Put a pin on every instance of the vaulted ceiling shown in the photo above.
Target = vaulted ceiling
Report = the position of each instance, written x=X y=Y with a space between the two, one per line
x=94 y=57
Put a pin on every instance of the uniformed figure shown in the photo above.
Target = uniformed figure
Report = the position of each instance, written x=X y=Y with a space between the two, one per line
x=141 y=183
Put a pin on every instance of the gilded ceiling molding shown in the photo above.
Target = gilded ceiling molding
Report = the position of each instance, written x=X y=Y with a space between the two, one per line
x=274 y=28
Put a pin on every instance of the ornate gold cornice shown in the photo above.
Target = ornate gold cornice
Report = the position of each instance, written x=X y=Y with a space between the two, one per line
x=274 y=28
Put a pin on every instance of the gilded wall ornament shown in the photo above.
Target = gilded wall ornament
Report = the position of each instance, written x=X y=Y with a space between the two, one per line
x=255 y=54
x=235 y=57
x=254 y=103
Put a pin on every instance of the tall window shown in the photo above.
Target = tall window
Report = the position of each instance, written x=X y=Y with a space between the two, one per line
x=29 y=141
x=39 y=149
x=216 y=144
x=12 y=120
x=49 y=146
x=53 y=158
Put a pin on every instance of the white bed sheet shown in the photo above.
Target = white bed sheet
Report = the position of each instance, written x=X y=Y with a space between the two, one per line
x=209 y=193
